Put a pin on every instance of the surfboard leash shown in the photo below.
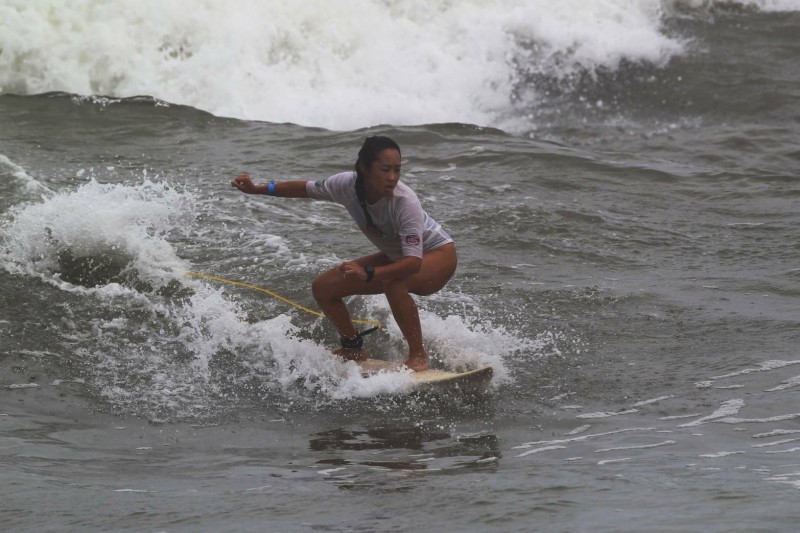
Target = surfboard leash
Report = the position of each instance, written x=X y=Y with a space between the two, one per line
x=376 y=325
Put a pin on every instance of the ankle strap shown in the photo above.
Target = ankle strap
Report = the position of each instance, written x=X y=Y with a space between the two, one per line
x=356 y=343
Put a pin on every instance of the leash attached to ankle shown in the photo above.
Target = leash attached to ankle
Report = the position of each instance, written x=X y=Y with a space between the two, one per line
x=357 y=342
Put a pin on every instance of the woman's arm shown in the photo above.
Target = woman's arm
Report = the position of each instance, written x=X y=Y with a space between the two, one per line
x=286 y=189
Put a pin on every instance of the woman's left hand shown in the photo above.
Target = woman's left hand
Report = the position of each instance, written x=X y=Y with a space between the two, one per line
x=245 y=184
x=351 y=268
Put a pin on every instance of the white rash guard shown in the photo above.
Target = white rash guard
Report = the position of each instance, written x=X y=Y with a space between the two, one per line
x=406 y=229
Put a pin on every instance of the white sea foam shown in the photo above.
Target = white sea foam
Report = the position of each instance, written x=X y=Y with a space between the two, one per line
x=99 y=222
x=785 y=384
x=580 y=438
x=727 y=409
x=719 y=454
x=542 y=449
x=776 y=433
x=651 y=401
x=18 y=173
x=23 y=386
x=607 y=414
x=775 y=443
x=639 y=447
x=777 y=418
x=764 y=366
x=339 y=65
x=789 y=450
x=578 y=430
x=612 y=461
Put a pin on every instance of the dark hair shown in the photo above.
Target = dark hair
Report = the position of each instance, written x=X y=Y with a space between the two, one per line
x=371 y=148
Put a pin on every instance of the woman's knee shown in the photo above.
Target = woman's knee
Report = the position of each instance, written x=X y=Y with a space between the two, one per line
x=396 y=287
x=428 y=287
x=321 y=287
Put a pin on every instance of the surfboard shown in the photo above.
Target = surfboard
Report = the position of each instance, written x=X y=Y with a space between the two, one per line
x=469 y=381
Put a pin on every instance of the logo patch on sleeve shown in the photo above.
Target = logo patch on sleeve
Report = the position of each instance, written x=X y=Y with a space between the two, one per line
x=412 y=239
x=319 y=183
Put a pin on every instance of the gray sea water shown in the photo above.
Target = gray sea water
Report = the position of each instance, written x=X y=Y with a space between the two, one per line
x=629 y=264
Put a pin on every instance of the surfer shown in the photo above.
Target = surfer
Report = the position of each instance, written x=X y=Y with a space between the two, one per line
x=416 y=256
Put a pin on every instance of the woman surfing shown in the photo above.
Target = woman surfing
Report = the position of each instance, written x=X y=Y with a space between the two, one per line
x=416 y=256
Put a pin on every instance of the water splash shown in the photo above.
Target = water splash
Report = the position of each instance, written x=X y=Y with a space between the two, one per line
x=101 y=235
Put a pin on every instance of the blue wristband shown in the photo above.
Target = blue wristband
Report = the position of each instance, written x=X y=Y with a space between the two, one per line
x=271 y=188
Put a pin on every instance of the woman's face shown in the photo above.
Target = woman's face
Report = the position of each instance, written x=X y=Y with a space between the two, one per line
x=383 y=174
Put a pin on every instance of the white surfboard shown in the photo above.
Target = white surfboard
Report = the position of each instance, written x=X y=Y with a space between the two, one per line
x=470 y=381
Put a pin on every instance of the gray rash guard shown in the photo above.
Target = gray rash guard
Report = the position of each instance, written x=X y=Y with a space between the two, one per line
x=406 y=229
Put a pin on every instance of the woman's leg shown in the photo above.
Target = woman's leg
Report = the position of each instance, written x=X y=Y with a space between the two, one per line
x=331 y=286
x=438 y=266
x=404 y=310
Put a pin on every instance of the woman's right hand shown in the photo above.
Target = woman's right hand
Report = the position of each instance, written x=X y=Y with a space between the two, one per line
x=245 y=184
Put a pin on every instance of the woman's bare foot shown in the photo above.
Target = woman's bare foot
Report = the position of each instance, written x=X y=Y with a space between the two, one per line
x=418 y=363
x=350 y=354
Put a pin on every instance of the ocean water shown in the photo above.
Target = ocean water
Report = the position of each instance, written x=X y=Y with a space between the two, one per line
x=621 y=180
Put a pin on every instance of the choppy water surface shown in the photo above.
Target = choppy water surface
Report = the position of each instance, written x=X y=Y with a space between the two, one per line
x=625 y=213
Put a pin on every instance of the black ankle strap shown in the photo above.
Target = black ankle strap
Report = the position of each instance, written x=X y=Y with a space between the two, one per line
x=356 y=343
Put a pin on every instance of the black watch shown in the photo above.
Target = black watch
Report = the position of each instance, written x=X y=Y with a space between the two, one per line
x=370 y=270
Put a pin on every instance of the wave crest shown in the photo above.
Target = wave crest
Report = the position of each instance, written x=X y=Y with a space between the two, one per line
x=341 y=65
